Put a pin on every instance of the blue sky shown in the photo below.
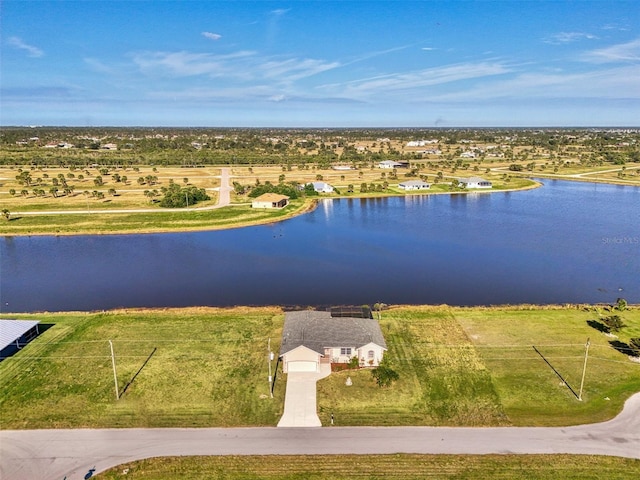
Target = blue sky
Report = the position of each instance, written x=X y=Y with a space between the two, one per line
x=320 y=64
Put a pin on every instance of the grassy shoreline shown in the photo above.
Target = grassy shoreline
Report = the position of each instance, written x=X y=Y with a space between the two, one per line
x=167 y=221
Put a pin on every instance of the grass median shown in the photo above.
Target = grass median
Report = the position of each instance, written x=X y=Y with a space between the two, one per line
x=399 y=466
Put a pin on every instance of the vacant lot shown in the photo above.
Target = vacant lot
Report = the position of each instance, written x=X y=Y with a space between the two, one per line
x=401 y=466
x=207 y=367
x=476 y=366
x=190 y=367
x=164 y=220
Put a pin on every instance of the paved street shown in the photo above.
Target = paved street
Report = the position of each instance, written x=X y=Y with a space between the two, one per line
x=54 y=454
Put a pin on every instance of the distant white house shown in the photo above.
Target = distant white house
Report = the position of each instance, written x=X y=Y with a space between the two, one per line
x=341 y=167
x=270 y=200
x=321 y=187
x=414 y=185
x=420 y=143
x=475 y=182
x=389 y=164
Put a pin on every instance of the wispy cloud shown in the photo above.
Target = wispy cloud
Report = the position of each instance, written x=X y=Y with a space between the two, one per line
x=187 y=64
x=610 y=83
x=428 y=49
x=278 y=12
x=411 y=81
x=295 y=69
x=211 y=36
x=32 y=51
x=242 y=65
x=568 y=37
x=623 y=52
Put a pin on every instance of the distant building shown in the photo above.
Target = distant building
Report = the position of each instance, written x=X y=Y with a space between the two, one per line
x=321 y=187
x=414 y=185
x=270 y=200
x=389 y=164
x=475 y=182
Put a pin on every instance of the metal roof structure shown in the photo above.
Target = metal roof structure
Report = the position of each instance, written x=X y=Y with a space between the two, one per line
x=12 y=330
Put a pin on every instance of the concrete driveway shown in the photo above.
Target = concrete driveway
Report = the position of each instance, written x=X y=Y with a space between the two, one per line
x=300 y=408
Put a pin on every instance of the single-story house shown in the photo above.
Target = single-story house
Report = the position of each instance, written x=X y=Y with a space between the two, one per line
x=270 y=200
x=322 y=187
x=475 y=182
x=342 y=167
x=389 y=164
x=310 y=338
x=414 y=185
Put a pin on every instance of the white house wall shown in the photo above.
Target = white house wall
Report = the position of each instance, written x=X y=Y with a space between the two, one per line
x=363 y=353
x=299 y=354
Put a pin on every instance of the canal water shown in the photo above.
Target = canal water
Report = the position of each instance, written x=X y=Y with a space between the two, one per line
x=566 y=242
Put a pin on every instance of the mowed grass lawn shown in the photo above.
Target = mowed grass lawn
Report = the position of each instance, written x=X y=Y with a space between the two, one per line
x=477 y=366
x=400 y=466
x=207 y=367
x=161 y=221
x=188 y=367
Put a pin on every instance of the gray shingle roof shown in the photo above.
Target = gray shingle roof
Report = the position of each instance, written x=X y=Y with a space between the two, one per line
x=317 y=330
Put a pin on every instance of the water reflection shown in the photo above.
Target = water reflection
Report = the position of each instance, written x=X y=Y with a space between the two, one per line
x=556 y=244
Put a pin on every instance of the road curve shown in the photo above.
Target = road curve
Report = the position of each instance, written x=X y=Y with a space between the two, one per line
x=54 y=454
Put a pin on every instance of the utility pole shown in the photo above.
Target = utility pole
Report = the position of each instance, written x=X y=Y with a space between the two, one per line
x=584 y=368
x=186 y=198
x=270 y=357
x=115 y=375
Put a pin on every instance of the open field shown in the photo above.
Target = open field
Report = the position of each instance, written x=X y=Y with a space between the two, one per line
x=207 y=367
x=160 y=221
x=477 y=366
x=400 y=466
x=193 y=367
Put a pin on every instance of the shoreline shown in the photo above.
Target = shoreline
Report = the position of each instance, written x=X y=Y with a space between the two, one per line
x=308 y=205
x=280 y=309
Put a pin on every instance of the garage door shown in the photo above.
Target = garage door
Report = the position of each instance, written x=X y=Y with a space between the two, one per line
x=302 y=366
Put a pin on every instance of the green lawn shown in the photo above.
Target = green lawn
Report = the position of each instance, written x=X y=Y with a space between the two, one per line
x=192 y=367
x=400 y=466
x=92 y=223
x=207 y=367
x=477 y=366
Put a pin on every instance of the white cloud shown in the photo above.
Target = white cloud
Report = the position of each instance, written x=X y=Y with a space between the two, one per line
x=32 y=51
x=187 y=64
x=294 y=69
x=568 y=37
x=385 y=85
x=624 y=52
x=428 y=49
x=611 y=83
x=243 y=65
x=211 y=36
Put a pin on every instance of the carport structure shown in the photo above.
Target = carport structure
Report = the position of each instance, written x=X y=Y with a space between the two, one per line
x=15 y=334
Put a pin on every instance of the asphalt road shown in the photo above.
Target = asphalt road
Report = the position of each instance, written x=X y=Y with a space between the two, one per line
x=54 y=454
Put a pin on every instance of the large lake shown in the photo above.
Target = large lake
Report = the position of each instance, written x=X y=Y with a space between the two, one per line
x=563 y=243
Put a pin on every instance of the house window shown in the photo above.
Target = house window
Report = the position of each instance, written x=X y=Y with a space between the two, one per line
x=345 y=351
x=370 y=354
